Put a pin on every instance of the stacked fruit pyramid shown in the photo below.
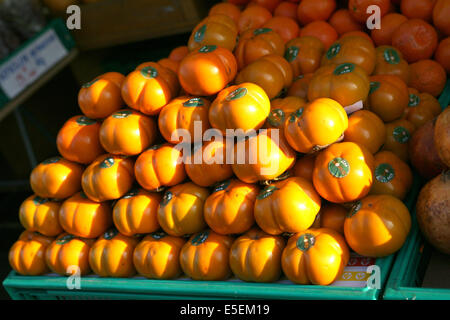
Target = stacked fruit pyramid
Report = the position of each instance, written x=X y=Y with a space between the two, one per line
x=330 y=108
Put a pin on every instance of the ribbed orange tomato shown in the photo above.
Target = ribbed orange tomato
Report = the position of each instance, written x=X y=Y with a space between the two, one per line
x=78 y=140
x=398 y=134
x=83 y=217
x=102 y=96
x=389 y=61
x=343 y=172
x=300 y=85
x=304 y=54
x=112 y=255
x=304 y=166
x=332 y=216
x=127 y=132
x=256 y=256
x=245 y=106
x=216 y=29
x=207 y=70
x=40 y=215
x=27 y=254
x=160 y=166
x=229 y=208
x=377 y=225
x=206 y=256
x=422 y=107
x=68 y=251
x=56 y=178
x=149 y=88
x=301 y=131
x=157 y=256
x=264 y=156
x=109 y=177
x=315 y=256
x=271 y=72
x=346 y=83
x=136 y=212
x=180 y=212
x=178 y=118
x=289 y=205
x=367 y=129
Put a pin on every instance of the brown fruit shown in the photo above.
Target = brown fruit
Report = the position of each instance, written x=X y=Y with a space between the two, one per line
x=442 y=136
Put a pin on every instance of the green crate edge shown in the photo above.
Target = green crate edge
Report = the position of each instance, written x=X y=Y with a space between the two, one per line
x=64 y=35
x=400 y=284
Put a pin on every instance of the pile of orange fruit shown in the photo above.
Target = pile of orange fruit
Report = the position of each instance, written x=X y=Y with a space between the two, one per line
x=339 y=104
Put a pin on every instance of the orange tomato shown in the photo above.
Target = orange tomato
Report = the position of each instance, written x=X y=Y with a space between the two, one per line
x=300 y=85
x=358 y=8
x=27 y=255
x=112 y=255
x=207 y=70
x=281 y=109
x=441 y=12
x=68 y=251
x=286 y=27
x=271 y=72
x=245 y=106
x=127 y=132
x=253 y=17
x=136 y=212
x=315 y=256
x=367 y=129
x=157 y=256
x=229 y=9
x=289 y=205
x=418 y=9
x=83 y=217
x=229 y=208
x=388 y=24
x=40 y=215
x=389 y=61
x=206 y=256
x=342 y=21
x=377 y=225
x=180 y=212
x=343 y=172
x=109 y=177
x=428 y=76
x=322 y=31
x=442 y=54
x=78 y=140
x=178 y=53
x=256 y=256
x=218 y=30
x=398 y=134
x=150 y=87
x=56 y=178
x=421 y=108
x=101 y=96
x=332 y=216
x=314 y=10
x=304 y=54
x=304 y=166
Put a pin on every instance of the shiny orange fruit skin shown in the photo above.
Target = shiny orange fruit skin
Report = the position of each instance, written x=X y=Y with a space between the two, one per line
x=207 y=70
x=27 y=255
x=83 y=217
x=352 y=49
x=377 y=226
x=367 y=129
x=136 y=212
x=109 y=177
x=357 y=33
x=253 y=17
x=245 y=106
x=127 y=132
x=343 y=172
x=428 y=76
x=56 y=178
x=300 y=128
x=389 y=61
x=178 y=53
x=304 y=54
x=286 y=27
x=342 y=21
x=256 y=43
x=226 y=8
x=67 y=251
x=40 y=215
x=421 y=108
x=256 y=256
x=418 y=9
x=205 y=256
x=286 y=9
x=358 y=8
x=268 y=4
x=416 y=39
x=304 y=167
x=289 y=205
x=180 y=115
x=160 y=166
x=102 y=96
x=332 y=216
x=180 y=212
x=149 y=88
x=441 y=12
x=170 y=64
x=321 y=30
x=398 y=134
x=346 y=83
x=388 y=24
x=229 y=208
x=281 y=109
x=300 y=85
x=78 y=140
x=217 y=29
x=313 y=10
x=271 y=72
x=393 y=176
x=157 y=256
x=315 y=256
x=112 y=255
x=442 y=54
x=213 y=167
x=262 y=157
